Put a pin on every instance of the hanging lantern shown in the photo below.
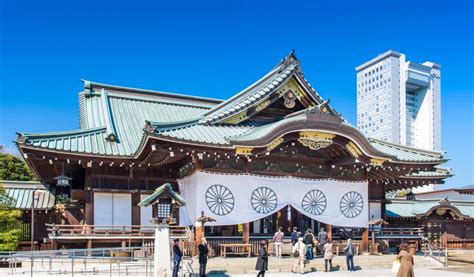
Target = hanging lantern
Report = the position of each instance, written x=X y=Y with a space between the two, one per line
x=63 y=180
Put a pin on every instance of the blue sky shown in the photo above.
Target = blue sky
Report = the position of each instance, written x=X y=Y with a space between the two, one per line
x=216 y=48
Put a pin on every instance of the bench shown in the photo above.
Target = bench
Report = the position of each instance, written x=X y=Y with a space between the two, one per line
x=236 y=248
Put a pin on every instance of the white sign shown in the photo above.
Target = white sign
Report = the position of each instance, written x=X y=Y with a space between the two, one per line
x=241 y=198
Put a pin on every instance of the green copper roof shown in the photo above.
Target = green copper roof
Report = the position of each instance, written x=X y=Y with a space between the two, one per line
x=405 y=153
x=411 y=208
x=261 y=90
x=21 y=192
x=112 y=119
x=125 y=116
x=166 y=188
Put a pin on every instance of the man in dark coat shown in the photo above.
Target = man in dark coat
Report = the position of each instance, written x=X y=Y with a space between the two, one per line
x=294 y=235
x=177 y=255
x=262 y=260
x=309 y=241
x=203 y=252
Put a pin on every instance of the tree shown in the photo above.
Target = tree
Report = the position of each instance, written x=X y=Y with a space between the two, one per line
x=10 y=230
x=12 y=168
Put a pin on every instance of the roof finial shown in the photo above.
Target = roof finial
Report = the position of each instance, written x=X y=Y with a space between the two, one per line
x=291 y=57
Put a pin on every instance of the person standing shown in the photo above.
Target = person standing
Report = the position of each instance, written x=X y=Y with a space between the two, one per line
x=278 y=242
x=406 y=262
x=309 y=241
x=299 y=249
x=349 y=250
x=177 y=255
x=262 y=260
x=203 y=253
x=328 y=255
x=322 y=239
x=294 y=236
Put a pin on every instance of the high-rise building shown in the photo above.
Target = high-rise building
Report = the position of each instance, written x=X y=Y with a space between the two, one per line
x=400 y=101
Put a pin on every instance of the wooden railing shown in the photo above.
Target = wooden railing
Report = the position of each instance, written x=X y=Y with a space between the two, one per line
x=460 y=243
x=110 y=231
x=390 y=231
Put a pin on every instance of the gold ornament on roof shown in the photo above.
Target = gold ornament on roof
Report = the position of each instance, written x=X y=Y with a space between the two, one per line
x=289 y=97
x=315 y=140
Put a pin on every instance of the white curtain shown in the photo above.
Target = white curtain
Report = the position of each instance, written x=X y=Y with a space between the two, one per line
x=240 y=198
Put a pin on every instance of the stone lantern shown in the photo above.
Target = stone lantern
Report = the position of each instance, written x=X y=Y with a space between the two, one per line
x=165 y=204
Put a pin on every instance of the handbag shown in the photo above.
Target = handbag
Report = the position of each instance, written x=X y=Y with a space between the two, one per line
x=296 y=254
x=395 y=266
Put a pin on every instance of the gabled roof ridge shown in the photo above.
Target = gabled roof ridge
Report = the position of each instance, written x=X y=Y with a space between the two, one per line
x=90 y=84
x=62 y=133
x=164 y=126
x=438 y=154
x=150 y=98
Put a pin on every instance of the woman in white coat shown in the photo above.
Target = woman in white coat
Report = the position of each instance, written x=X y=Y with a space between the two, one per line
x=328 y=255
x=299 y=251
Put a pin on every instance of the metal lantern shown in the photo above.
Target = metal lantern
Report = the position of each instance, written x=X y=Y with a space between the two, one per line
x=63 y=180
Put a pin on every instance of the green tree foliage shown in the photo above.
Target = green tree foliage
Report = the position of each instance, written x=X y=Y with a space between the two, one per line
x=13 y=168
x=10 y=231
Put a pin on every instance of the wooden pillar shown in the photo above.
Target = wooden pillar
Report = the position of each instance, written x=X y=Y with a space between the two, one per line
x=199 y=232
x=89 y=247
x=365 y=239
x=329 y=227
x=135 y=208
x=246 y=233
x=89 y=209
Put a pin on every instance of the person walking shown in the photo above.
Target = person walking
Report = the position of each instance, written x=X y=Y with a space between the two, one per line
x=262 y=260
x=299 y=249
x=177 y=255
x=278 y=242
x=203 y=253
x=349 y=250
x=328 y=255
x=322 y=239
x=309 y=241
x=294 y=236
x=406 y=262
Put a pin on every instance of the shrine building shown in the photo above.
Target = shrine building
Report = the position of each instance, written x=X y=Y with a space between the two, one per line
x=275 y=154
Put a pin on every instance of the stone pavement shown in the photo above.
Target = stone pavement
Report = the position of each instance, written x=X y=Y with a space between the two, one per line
x=369 y=272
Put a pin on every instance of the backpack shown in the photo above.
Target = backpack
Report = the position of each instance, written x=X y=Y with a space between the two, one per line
x=296 y=254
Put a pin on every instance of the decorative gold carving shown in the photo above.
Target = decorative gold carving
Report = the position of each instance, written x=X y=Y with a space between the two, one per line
x=243 y=150
x=262 y=105
x=315 y=145
x=353 y=149
x=274 y=144
x=237 y=118
x=316 y=135
x=289 y=99
x=315 y=140
x=377 y=162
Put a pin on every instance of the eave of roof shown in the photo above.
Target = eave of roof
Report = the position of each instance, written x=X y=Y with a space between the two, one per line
x=414 y=208
x=156 y=194
x=406 y=153
x=22 y=194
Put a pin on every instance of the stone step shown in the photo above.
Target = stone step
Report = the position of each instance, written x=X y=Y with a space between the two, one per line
x=247 y=265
